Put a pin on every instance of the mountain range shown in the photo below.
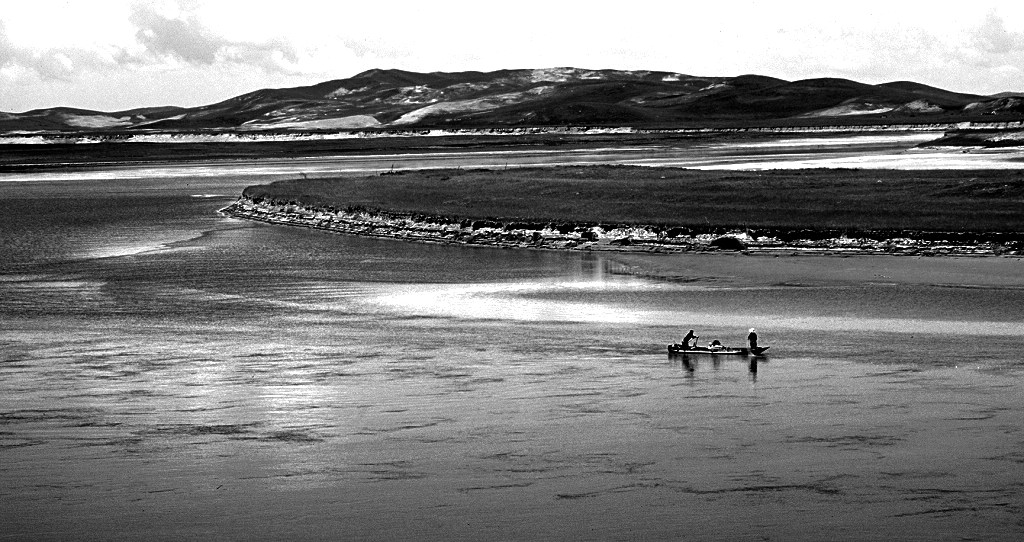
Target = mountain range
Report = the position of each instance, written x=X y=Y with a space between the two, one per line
x=396 y=99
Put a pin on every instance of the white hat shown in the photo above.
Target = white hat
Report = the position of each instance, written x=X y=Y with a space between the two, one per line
x=751 y=330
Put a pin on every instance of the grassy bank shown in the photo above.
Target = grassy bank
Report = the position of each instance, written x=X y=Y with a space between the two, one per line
x=820 y=199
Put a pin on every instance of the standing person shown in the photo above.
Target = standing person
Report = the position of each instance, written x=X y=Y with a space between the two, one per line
x=752 y=339
x=689 y=337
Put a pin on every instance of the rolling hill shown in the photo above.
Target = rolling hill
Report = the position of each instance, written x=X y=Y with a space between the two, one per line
x=390 y=99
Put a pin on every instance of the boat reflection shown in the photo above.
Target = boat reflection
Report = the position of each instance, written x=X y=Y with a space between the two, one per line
x=690 y=367
x=690 y=363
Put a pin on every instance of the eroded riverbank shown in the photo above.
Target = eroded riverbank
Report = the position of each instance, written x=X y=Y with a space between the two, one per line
x=662 y=209
x=621 y=238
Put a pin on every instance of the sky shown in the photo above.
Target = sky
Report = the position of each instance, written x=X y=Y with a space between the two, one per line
x=115 y=55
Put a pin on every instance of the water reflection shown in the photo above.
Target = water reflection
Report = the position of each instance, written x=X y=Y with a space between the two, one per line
x=684 y=362
x=595 y=289
x=689 y=364
x=572 y=298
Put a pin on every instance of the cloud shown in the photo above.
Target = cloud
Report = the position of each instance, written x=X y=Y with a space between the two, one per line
x=992 y=36
x=49 y=64
x=184 y=38
x=6 y=47
x=159 y=40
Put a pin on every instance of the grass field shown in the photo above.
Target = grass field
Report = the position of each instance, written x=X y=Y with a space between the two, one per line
x=820 y=199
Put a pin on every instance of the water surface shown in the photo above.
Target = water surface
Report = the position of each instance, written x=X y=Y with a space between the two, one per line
x=168 y=373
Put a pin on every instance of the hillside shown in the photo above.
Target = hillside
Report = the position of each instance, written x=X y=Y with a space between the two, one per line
x=393 y=99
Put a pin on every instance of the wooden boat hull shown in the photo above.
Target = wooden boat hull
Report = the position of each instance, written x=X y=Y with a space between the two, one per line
x=723 y=351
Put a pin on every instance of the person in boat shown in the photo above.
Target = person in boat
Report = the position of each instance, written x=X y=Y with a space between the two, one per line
x=715 y=345
x=689 y=337
x=752 y=339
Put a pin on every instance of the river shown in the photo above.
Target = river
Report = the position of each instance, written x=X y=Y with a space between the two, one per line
x=168 y=373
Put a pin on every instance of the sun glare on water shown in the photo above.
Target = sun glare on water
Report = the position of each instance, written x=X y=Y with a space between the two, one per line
x=596 y=301
x=519 y=301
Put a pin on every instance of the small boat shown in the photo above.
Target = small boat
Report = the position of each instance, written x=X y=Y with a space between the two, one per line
x=678 y=348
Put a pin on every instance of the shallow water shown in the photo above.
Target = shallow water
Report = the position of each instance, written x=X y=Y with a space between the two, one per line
x=167 y=373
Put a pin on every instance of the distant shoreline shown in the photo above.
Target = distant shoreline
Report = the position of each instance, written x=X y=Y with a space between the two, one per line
x=966 y=129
